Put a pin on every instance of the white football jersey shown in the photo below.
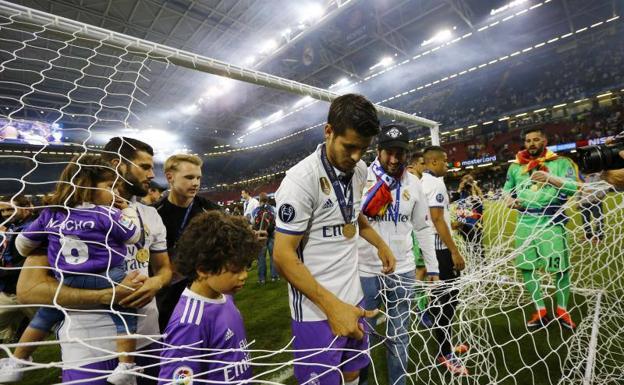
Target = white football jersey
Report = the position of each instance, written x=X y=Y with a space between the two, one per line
x=97 y=324
x=413 y=216
x=307 y=204
x=437 y=196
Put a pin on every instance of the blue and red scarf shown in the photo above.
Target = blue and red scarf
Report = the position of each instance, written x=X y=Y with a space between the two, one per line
x=379 y=197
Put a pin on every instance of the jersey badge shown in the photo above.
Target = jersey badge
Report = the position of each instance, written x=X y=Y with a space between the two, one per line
x=325 y=186
x=183 y=376
x=440 y=198
x=286 y=213
x=406 y=195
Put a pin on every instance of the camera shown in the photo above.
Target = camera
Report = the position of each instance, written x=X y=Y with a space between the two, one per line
x=602 y=157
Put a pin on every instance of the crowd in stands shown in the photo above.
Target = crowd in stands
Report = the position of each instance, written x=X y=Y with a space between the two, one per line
x=555 y=77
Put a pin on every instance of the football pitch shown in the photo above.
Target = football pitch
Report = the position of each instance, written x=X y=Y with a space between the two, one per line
x=503 y=350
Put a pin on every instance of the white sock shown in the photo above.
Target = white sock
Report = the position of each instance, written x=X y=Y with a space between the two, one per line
x=354 y=382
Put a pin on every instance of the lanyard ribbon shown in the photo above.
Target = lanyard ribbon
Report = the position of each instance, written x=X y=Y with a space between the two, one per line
x=185 y=220
x=341 y=188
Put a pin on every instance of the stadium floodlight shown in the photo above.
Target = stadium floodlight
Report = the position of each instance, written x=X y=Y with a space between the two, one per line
x=190 y=109
x=268 y=46
x=311 y=12
x=384 y=62
x=507 y=6
x=274 y=116
x=340 y=83
x=439 y=37
x=255 y=125
x=57 y=135
x=303 y=101
x=249 y=60
x=286 y=33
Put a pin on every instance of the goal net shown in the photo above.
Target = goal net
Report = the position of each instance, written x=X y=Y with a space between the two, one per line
x=65 y=87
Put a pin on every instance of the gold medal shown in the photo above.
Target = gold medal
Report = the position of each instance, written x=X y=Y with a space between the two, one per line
x=142 y=255
x=406 y=195
x=348 y=230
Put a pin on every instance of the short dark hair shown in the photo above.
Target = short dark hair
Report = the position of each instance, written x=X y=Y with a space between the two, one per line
x=213 y=242
x=123 y=148
x=353 y=111
x=532 y=129
x=18 y=200
x=433 y=149
x=415 y=156
x=263 y=198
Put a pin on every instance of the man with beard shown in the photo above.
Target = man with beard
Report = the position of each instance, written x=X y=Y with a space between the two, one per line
x=538 y=185
x=182 y=204
x=317 y=227
x=133 y=160
x=396 y=206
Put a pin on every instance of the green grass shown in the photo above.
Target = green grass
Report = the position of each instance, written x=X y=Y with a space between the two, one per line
x=513 y=355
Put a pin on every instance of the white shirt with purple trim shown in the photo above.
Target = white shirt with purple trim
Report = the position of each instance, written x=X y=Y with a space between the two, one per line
x=437 y=196
x=94 y=323
x=307 y=205
x=413 y=216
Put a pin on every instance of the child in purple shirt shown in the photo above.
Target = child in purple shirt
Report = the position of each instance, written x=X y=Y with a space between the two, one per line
x=86 y=242
x=206 y=328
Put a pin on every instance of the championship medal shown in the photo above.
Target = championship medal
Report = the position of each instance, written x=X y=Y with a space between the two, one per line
x=348 y=230
x=142 y=255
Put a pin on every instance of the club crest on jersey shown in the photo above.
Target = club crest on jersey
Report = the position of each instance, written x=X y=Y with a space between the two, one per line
x=440 y=198
x=393 y=133
x=325 y=186
x=406 y=195
x=286 y=213
x=183 y=376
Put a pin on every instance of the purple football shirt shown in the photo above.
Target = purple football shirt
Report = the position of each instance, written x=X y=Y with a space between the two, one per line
x=91 y=236
x=205 y=327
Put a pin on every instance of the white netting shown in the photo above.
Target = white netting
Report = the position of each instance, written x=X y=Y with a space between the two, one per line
x=89 y=85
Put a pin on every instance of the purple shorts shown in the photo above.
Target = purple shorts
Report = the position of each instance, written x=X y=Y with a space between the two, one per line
x=323 y=367
x=99 y=369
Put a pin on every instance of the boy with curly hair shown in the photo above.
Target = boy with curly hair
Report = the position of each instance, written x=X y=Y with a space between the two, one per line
x=206 y=331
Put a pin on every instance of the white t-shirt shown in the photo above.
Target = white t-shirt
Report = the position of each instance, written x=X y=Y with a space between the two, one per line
x=249 y=207
x=413 y=215
x=437 y=196
x=97 y=324
x=307 y=204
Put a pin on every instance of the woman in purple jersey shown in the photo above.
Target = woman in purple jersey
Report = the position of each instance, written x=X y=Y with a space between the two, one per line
x=86 y=243
x=206 y=327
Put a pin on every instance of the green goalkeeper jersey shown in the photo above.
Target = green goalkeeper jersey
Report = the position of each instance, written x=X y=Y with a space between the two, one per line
x=537 y=196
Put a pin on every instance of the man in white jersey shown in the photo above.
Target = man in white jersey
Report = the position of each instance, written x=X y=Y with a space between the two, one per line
x=249 y=205
x=396 y=206
x=133 y=160
x=450 y=261
x=316 y=236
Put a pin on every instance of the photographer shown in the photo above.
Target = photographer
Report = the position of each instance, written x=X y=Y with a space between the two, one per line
x=607 y=158
x=615 y=177
x=469 y=213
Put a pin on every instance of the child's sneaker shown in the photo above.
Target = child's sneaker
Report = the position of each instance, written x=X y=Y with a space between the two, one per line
x=124 y=374
x=11 y=369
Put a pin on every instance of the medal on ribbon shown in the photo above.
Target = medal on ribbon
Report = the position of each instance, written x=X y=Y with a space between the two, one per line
x=344 y=195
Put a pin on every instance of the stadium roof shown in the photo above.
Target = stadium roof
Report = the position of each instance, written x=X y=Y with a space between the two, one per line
x=314 y=42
